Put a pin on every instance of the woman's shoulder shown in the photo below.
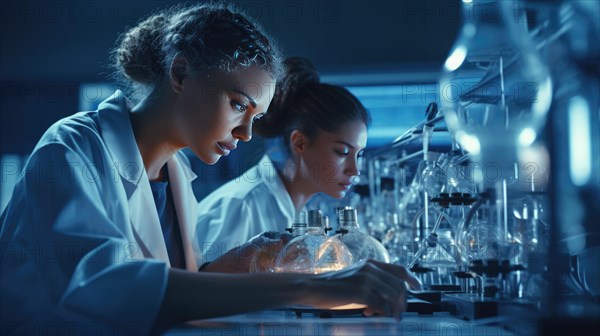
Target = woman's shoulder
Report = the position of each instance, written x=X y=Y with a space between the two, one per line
x=78 y=132
x=74 y=128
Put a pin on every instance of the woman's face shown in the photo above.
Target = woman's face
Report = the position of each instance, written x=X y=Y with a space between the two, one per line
x=215 y=111
x=330 y=162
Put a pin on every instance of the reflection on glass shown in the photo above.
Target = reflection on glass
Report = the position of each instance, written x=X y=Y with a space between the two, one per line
x=313 y=252
x=361 y=245
x=495 y=91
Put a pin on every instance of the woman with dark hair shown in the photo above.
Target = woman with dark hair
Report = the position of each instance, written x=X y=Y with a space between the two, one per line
x=322 y=130
x=104 y=244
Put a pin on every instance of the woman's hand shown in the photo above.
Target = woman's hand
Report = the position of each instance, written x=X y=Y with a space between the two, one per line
x=256 y=255
x=380 y=286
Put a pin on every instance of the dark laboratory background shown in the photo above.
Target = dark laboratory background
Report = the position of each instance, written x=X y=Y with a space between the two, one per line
x=394 y=56
x=55 y=56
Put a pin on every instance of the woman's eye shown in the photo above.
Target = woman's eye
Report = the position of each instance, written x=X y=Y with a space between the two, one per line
x=241 y=108
x=341 y=152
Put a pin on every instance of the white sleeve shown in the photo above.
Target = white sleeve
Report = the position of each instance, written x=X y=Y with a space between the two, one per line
x=67 y=252
x=223 y=224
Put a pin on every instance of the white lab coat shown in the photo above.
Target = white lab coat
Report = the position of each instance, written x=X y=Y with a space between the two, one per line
x=254 y=202
x=82 y=246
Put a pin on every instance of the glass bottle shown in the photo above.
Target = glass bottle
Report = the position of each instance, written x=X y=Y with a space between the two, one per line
x=299 y=225
x=361 y=245
x=264 y=259
x=339 y=212
x=313 y=252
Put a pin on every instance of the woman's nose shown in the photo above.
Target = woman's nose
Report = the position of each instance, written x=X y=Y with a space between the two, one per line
x=352 y=168
x=243 y=132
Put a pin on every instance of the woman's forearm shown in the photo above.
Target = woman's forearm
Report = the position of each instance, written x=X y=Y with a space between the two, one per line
x=189 y=296
x=203 y=295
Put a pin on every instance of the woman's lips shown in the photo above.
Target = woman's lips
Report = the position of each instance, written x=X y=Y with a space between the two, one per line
x=346 y=186
x=225 y=148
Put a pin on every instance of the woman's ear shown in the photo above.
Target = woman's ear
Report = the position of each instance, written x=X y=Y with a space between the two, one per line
x=298 y=142
x=178 y=72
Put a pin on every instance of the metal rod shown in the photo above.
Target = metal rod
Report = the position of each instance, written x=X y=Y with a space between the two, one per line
x=409 y=157
x=415 y=135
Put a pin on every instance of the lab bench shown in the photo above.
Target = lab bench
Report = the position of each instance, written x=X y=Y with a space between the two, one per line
x=283 y=322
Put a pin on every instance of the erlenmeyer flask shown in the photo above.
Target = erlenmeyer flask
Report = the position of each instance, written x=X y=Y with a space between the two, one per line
x=481 y=238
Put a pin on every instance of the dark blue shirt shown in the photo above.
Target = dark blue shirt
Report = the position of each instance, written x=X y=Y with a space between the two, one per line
x=163 y=198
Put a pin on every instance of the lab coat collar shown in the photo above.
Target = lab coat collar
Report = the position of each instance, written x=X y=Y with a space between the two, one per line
x=180 y=178
x=116 y=130
x=185 y=170
x=120 y=140
x=276 y=187
x=113 y=116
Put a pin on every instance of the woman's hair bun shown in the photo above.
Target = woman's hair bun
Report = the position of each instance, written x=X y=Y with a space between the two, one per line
x=299 y=72
x=301 y=102
x=139 y=53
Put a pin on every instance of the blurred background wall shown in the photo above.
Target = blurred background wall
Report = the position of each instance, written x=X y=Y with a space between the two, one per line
x=54 y=62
